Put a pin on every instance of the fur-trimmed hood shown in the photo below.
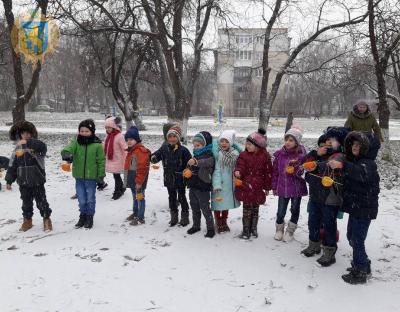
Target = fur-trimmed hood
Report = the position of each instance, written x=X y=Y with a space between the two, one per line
x=22 y=126
x=357 y=114
x=359 y=137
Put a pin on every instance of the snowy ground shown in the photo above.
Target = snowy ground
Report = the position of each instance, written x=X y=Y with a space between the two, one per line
x=116 y=267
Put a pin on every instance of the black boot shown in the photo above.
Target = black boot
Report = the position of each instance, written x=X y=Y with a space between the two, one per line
x=314 y=248
x=81 y=221
x=368 y=267
x=355 y=276
x=89 y=222
x=254 y=222
x=184 y=218
x=174 y=217
x=117 y=194
x=328 y=256
x=193 y=230
x=246 y=220
x=210 y=233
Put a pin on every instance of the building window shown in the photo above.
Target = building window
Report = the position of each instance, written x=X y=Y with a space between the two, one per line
x=243 y=55
x=259 y=72
x=242 y=72
x=258 y=56
x=244 y=39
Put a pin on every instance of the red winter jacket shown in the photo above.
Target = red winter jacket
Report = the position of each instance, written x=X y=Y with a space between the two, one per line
x=256 y=173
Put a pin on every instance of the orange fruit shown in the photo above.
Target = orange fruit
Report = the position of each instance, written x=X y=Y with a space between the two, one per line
x=156 y=166
x=238 y=182
x=187 y=173
x=327 y=181
x=139 y=196
x=310 y=165
x=66 y=167
x=19 y=152
x=290 y=169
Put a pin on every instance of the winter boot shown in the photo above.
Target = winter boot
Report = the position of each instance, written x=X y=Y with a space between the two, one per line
x=184 y=218
x=101 y=186
x=246 y=227
x=117 y=194
x=193 y=230
x=81 y=221
x=75 y=196
x=131 y=217
x=47 y=225
x=254 y=223
x=210 y=233
x=26 y=225
x=288 y=236
x=88 y=222
x=224 y=225
x=314 y=248
x=368 y=268
x=218 y=225
x=328 y=256
x=355 y=276
x=174 y=217
x=279 y=231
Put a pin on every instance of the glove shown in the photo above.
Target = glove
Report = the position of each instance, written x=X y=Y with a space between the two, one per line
x=68 y=157
x=154 y=159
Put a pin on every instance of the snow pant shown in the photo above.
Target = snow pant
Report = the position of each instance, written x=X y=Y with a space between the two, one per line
x=294 y=209
x=119 y=184
x=37 y=193
x=139 y=206
x=86 y=192
x=326 y=215
x=250 y=215
x=221 y=214
x=200 y=203
x=357 y=230
x=173 y=193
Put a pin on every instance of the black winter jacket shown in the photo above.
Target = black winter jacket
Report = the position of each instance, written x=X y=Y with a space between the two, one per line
x=202 y=172
x=174 y=160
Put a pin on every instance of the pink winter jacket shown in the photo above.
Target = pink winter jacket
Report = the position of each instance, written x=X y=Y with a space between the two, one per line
x=116 y=165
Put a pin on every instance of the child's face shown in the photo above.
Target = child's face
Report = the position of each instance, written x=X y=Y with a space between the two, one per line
x=250 y=147
x=290 y=143
x=333 y=143
x=355 y=148
x=224 y=144
x=131 y=142
x=197 y=145
x=83 y=131
x=322 y=144
x=109 y=130
x=172 y=139
x=26 y=135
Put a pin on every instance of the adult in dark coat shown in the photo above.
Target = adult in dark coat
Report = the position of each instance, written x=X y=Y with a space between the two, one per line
x=360 y=201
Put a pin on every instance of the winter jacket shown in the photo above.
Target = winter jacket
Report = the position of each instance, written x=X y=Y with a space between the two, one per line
x=28 y=169
x=88 y=160
x=4 y=161
x=174 y=160
x=285 y=184
x=319 y=193
x=222 y=180
x=363 y=122
x=136 y=168
x=256 y=175
x=116 y=164
x=202 y=172
x=361 y=181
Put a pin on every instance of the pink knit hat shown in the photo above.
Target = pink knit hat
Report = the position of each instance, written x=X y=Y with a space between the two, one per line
x=258 y=138
x=296 y=132
x=110 y=122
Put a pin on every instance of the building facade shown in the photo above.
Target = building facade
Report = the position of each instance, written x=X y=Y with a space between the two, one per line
x=239 y=68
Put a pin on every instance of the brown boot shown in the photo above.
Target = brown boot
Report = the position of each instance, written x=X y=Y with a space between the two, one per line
x=225 y=227
x=47 y=225
x=26 y=225
x=218 y=225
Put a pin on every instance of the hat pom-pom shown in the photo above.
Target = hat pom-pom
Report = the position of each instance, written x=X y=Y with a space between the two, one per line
x=298 y=128
x=261 y=131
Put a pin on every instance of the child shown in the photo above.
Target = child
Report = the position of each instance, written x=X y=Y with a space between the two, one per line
x=325 y=201
x=202 y=167
x=174 y=158
x=360 y=201
x=115 y=150
x=287 y=182
x=136 y=171
x=27 y=167
x=254 y=169
x=226 y=153
x=87 y=156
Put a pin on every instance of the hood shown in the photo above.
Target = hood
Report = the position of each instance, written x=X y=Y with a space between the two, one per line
x=22 y=126
x=357 y=114
x=360 y=137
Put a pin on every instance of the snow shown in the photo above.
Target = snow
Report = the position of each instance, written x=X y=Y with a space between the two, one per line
x=117 y=267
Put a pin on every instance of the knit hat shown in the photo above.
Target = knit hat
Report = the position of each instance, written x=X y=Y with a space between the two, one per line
x=296 y=132
x=111 y=123
x=339 y=133
x=22 y=126
x=204 y=137
x=133 y=133
x=88 y=123
x=229 y=135
x=258 y=138
x=176 y=131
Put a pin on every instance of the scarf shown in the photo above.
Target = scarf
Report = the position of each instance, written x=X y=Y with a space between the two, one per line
x=228 y=159
x=82 y=140
x=200 y=151
x=109 y=144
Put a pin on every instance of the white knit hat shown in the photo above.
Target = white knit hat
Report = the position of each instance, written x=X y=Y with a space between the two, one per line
x=229 y=135
x=296 y=132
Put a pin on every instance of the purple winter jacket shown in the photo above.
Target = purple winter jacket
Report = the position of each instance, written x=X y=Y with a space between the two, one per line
x=285 y=184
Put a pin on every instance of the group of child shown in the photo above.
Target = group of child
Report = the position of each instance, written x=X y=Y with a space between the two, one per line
x=341 y=173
